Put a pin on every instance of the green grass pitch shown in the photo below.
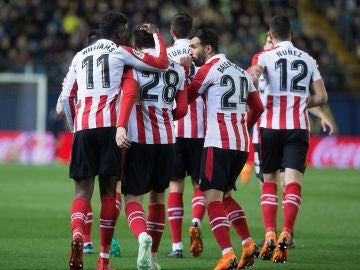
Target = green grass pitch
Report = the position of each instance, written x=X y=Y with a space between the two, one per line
x=35 y=225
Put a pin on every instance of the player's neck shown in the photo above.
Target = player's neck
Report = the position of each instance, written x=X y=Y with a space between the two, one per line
x=276 y=41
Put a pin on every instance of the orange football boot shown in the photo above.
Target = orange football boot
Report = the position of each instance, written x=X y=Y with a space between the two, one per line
x=281 y=252
x=267 y=250
x=249 y=252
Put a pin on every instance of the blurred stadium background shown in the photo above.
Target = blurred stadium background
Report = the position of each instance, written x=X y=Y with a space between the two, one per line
x=38 y=40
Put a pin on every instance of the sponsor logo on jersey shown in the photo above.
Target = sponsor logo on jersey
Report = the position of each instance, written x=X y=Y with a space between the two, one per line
x=138 y=54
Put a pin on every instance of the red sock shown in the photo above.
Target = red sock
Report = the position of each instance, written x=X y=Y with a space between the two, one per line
x=175 y=215
x=107 y=223
x=79 y=209
x=118 y=205
x=136 y=218
x=269 y=206
x=156 y=224
x=198 y=204
x=88 y=225
x=292 y=203
x=236 y=217
x=219 y=224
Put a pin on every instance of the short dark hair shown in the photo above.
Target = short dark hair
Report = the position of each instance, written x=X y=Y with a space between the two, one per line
x=93 y=36
x=112 y=23
x=208 y=37
x=182 y=25
x=280 y=27
x=142 y=39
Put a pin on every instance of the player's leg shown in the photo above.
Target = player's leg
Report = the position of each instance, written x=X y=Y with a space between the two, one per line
x=79 y=208
x=115 y=246
x=82 y=164
x=109 y=157
x=213 y=182
x=163 y=167
x=194 y=150
x=235 y=213
x=88 y=244
x=175 y=202
x=271 y=154
x=135 y=184
x=294 y=162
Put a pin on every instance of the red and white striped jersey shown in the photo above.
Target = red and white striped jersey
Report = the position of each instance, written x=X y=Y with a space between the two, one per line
x=288 y=71
x=151 y=119
x=192 y=125
x=225 y=87
x=94 y=78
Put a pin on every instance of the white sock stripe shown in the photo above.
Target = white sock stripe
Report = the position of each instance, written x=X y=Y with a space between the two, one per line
x=269 y=195
x=175 y=209
x=155 y=223
x=107 y=220
x=293 y=195
x=104 y=255
x=136 y=213
x=89 y=214
x=200 y=198
x=88 y=221
x=236 y=211
x=78 y=215
x=175 y=217
x=272 y=203
x=292 y=202
x=198 y=203
x=220 y=225
x=107 y=226
x=234 y=219
x=137 y=217
x=219 y=218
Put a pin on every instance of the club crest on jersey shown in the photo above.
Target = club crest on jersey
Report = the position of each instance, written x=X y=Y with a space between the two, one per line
x=138 y=54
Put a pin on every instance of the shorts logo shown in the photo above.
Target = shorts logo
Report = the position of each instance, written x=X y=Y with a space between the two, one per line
x=138 y=54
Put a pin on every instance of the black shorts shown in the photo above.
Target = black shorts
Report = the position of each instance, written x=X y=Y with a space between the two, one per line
x=94 y=152
x=283 y=149
x=188 y=158
x=220 y=168
x=258 y=169
x=148 y=167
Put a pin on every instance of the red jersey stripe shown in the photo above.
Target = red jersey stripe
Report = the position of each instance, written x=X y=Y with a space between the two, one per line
x=223 y=131
x=72 y=99
x=77 y=107
x=86 y=113
x=99 y=112
x=269 y=114
x=236 y=130
x=113 y=114
x=154 y=124
x=167 y=125
x=296 y=112
x=140 y=124
x=283 y=107
x=194 y=123
x=181 y=127
x=246 y=134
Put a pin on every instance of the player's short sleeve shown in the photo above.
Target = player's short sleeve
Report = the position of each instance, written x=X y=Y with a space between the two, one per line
x=316 y=73
x=260 y=59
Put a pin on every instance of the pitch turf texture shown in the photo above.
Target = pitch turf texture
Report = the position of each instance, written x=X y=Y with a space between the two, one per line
x=35 y=225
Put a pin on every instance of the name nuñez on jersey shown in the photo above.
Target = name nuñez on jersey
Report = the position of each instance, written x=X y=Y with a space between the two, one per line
x=97 y=46
x=288 y=52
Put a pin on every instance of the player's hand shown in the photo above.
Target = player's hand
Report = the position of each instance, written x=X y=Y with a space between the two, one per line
x=60 y=109
x=121 y=138
x=150 y=28
x=186 y=61
x=326 y=125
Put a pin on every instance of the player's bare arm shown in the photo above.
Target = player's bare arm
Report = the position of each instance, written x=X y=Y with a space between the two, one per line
x=320 y=95
x=325 y=121
x=255 y=73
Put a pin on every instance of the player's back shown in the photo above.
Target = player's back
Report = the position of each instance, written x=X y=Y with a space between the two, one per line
x=151 y=119
x=289 y=72
x=227 y=87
